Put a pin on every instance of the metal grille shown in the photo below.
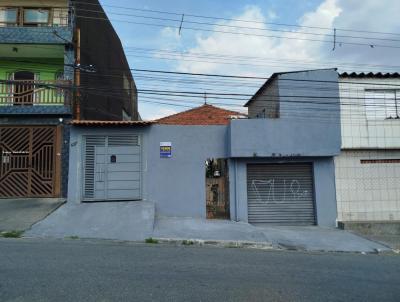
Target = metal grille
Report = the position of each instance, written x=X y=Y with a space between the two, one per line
x=119 y=140
x=90 y=159
x=27 y=161
x=112 y=168
x=280 y=194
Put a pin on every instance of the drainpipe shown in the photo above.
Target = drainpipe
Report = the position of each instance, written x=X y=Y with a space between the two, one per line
x=236 y=199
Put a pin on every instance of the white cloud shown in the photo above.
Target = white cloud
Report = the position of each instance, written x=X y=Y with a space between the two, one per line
x=299 y=53
x=248 y=44
x=153 y=112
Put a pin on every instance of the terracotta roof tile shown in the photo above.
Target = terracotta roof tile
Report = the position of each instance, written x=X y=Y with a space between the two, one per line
x=203 y=115
x=109 y=123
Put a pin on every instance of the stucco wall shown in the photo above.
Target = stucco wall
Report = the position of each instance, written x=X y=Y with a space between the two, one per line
x=283 y=138
x=176 y=184
x=267 y=100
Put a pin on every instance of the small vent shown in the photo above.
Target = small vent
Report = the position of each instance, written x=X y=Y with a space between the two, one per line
x=95 y=140
x=90 y=156
x=126 y=140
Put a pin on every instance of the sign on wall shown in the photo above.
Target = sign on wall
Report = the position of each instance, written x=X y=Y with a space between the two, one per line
x=165 y=149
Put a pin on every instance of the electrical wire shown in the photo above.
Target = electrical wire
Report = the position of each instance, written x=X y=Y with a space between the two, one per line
x=235 y=19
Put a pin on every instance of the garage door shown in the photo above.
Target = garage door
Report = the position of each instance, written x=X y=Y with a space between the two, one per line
x=280 y=194
x=112 y=169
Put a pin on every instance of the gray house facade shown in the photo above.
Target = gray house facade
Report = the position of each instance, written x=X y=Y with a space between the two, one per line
x=280 y=169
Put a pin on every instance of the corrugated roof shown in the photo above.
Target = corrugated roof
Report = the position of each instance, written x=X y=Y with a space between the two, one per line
x=369 y=75
x=203 y=115
x=110 y=123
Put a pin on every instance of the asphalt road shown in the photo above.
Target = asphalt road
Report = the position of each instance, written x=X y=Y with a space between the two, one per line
x=84 y=270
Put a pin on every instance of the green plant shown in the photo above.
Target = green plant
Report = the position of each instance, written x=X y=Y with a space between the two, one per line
x=151 y=240
x=187 y=242
x=72 y=237
x=12 y=234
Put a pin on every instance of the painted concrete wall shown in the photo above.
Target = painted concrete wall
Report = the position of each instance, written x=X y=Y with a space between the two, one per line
x=324 y=187
x=266 y=104
x=310 y=95
x=358 y=131
x=368 y=191
x=283 y=138
x=308 y=122
x=177 y=185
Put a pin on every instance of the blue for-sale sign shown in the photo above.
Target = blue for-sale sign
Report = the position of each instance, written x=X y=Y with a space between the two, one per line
x=165 y=149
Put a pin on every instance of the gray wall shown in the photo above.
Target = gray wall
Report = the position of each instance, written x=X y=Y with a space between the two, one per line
x=310 y=95
x=177 y=184
x=324 y=186
x=308 y=122
x=268 y=100
x=283 y=138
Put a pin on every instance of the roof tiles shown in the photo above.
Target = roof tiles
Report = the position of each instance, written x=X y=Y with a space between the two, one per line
x=203 y=115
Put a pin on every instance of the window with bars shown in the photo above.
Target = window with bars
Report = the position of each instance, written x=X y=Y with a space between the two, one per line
x=382 y=104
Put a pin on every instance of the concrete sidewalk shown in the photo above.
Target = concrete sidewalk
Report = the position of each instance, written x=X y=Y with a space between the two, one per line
x=312 y=238
x=136 y=221
x=21 y=213
x=131 y=220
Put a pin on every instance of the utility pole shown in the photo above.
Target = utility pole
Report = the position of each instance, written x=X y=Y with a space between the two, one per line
x=77 y=85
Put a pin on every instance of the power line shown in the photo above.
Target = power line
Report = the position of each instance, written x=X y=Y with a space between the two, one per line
x=239 y=33
x=239 y=27
x=240 y=20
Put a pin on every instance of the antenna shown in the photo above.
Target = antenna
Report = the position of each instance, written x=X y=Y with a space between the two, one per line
x=205 y=98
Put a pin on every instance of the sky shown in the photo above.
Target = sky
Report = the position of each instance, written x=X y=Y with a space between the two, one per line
x=275 y=36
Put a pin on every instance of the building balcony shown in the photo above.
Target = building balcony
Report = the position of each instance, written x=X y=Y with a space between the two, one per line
x=35 y=25
x=35 y=97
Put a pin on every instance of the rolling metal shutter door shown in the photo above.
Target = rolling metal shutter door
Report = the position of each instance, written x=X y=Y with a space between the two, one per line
x=280 y=194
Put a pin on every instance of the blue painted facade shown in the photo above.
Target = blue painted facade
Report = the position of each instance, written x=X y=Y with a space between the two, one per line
x=36 y=35
x=177 y=184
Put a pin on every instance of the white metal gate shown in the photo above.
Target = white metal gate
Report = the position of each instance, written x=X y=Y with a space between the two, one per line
x=280 y=194
x=112 y=168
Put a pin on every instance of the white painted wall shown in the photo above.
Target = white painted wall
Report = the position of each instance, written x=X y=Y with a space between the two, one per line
x=367 y=192
x=357 y=130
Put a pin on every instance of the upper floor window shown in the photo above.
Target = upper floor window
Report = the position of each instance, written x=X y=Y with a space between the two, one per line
x=36 y=17
x=382 y=104
x=8 y=16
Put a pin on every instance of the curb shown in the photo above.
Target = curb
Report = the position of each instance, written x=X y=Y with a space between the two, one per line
x=218 y=243
x=261 y=246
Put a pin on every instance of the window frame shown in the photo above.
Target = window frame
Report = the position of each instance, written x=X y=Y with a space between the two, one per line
x=371 y=102
x=5 y=8
x=23 y=14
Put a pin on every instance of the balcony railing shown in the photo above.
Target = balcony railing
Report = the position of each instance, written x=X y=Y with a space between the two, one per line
x=28 y=93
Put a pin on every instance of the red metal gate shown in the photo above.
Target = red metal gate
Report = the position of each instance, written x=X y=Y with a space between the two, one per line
x=29 y=165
